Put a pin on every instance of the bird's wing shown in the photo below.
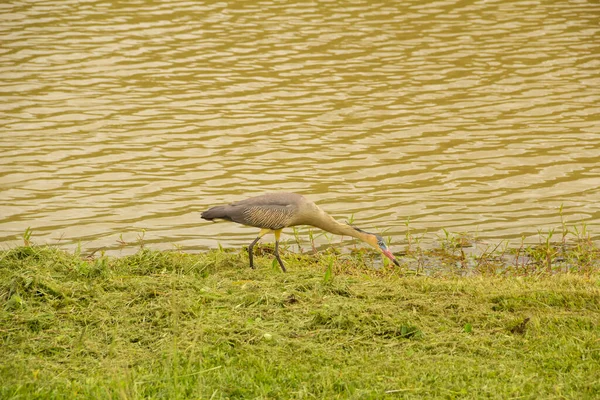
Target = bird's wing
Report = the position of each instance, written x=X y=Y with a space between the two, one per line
x=266 y=216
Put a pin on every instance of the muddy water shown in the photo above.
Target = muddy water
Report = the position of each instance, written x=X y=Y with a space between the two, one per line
x=123 y=117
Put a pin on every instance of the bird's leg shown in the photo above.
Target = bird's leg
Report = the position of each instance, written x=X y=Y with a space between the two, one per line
x=262 y=233
x=277 y=256
x=250 y=251
x=277 y=233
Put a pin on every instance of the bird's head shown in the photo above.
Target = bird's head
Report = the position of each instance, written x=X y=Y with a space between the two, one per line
x=378 y=243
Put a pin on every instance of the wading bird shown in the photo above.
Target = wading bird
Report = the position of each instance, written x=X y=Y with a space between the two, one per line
x=274 y=211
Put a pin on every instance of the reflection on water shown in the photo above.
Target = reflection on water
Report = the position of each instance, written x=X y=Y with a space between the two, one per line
x=470 y=116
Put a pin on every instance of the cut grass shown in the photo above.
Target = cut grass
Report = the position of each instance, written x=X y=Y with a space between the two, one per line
x=172 y=325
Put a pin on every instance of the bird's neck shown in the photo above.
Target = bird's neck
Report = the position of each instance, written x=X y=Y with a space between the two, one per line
x=329 y=224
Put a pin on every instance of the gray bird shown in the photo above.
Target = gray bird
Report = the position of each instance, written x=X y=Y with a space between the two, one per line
x=274 y=211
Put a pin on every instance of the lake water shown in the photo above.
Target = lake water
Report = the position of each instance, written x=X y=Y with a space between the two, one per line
x=126 y=117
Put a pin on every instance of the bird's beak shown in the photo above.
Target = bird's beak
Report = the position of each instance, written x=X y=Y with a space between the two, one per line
x=389 y=255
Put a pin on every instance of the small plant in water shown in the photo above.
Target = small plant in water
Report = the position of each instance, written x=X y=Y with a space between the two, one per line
x=296 y=234
x=409 y=237
x=311 y=237
x=121 y=241
x=27 y=237
x=140 y=238
x=546 y=251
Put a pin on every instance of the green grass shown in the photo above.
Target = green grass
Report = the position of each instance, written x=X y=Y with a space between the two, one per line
x=170 y=325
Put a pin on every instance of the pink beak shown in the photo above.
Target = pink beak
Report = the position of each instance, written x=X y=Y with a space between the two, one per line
x=389 y=255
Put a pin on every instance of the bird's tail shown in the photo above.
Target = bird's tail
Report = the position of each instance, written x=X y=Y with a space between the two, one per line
x=218 y=212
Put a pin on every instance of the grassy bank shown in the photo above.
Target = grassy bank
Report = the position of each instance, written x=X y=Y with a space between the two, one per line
x=172 y=325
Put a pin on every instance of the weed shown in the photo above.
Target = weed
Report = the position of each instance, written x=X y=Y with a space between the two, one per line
x=141 y=238
x=328 y=277
x=296 y=234
x=311 y=237
x=27 y=237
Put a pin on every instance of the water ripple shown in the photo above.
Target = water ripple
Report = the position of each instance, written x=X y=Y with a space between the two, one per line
x=119 y=118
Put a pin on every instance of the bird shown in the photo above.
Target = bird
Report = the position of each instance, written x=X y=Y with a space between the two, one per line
x=272 y=212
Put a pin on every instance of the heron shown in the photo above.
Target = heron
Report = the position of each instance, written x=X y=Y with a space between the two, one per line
x=272 y=212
